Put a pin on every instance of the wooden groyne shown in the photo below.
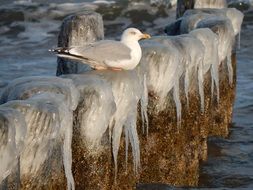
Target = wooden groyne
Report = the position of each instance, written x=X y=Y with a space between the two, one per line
x=112 y=130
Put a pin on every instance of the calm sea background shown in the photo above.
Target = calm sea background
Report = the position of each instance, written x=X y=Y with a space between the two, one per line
x=29 y=28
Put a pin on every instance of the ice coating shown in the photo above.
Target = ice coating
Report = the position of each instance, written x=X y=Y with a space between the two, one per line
x=12 y=135
x=25 y=87
x=98 y=101
x=66 y=131
x=49 y=124
x=220 y=24
x=189 y=21
x=127 y=91
x=168 y=58
x=211 y=59
x=234 y=15
x=164 y=69
x=193 y=52
x=144 y=105
x=223 y=28
x=210 y=4
x=110 y=100
x=236 y=18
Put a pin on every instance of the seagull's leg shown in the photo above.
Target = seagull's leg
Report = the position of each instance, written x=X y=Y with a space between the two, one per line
x=99 y=68
x=116 y=69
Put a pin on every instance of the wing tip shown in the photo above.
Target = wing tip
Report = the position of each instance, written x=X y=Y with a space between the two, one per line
x=59 y=50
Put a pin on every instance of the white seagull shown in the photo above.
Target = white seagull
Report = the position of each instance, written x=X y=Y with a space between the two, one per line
x=108 y=54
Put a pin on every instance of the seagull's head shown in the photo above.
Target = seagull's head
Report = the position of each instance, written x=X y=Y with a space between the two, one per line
x=133 y=34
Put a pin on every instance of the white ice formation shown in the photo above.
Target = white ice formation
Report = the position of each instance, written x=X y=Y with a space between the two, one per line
x=12 y=136
x=210 y=4
x=110 y=99
x=46 y=104
x=226 y=23
x=168 y=58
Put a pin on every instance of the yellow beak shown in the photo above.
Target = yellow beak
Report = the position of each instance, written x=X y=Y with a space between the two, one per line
x=145 y=36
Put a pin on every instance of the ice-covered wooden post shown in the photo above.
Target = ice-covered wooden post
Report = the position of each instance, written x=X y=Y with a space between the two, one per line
x=78 y=30
x=183 y=5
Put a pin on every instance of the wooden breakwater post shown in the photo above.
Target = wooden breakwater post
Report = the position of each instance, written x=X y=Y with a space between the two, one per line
x=107 y=106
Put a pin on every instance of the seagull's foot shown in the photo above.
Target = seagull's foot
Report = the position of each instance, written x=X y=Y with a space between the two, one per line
x=100 y=68
x=116 y=69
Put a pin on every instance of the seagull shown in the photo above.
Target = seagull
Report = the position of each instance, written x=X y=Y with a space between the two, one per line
x=108 y=54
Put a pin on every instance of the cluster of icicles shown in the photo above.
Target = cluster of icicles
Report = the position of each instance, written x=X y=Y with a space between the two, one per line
x=36 y=115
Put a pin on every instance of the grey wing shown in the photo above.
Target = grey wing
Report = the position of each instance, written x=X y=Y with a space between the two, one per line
x=106 y=50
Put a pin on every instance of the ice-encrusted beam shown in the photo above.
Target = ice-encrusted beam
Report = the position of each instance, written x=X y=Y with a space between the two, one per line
x=183 y=5
x=46 y=104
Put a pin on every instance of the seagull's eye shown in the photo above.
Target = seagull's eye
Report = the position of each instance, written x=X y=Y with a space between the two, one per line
x=132 y=32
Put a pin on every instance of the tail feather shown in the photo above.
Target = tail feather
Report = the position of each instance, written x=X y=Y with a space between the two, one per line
x=64 y=53
x=60 y=50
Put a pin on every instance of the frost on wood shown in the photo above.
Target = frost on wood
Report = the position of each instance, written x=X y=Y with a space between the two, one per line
x=235 y=16
x=211 y=59
x=47 y=104
x=97 y=108
x=12 y=136
x=167 y=59
x=110 y=101
x=49 y=125
x=210 y=4
x=25 y=87
x=226 y=23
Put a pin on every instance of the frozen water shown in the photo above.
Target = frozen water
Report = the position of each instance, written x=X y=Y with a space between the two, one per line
x=164 y=69
x=12 y=136
x=161 y=60
x=210 y=4
x=49 y=124
x=193 y=52
x=221 y=24
x=223 y=28
x=66 y=131
x=144 y=105
x=127 y=91
x=168 y=58
x=234 y=15
x=25 y=87
x=98 y=107
x=211 y=60
x=110 y=99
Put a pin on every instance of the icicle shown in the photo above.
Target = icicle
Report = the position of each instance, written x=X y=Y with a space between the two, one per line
x=127 y=92
x=176 y=96
x=144 y=105
x=12 y=132
x=186 y=86
x=134 y=140
x=215 y=80
x=210 y=4
x=239 y=40
x=116 y=135
x=126 y=143
x=200 y=84
x=230 y=69
x=66 y=130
